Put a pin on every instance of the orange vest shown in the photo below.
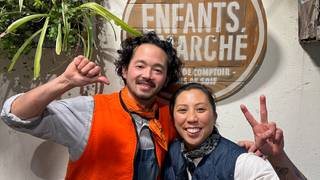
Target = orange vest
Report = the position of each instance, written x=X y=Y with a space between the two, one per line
x=112 y=143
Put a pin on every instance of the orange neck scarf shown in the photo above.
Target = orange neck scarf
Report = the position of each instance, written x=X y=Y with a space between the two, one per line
x=154 y=125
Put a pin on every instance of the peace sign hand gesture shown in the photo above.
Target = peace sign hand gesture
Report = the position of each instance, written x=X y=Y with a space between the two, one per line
x=268 y=138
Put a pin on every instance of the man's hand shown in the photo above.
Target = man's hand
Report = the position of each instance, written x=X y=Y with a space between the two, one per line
x=268 y=138
x=81 y=72
x=270 y=141
x=251 y=147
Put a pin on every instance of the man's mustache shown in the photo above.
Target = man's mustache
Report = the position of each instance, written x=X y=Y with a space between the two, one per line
x=146 y=82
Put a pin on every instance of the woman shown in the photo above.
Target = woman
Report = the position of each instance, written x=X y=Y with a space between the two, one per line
x=201 y=152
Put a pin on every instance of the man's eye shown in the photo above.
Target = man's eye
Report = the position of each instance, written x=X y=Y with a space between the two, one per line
x=139 y=66
x=159 y=71
x=201 y=110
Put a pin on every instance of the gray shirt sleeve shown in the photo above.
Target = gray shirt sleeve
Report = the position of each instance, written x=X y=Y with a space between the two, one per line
x=66 y=122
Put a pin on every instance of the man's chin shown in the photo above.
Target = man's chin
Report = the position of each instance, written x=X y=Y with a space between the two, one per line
x=146 y=96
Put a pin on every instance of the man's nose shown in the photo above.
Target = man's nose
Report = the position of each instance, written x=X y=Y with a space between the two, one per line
x=147 y=73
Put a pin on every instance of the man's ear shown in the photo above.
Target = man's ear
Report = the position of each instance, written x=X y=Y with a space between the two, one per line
x=166 y=83
x=124 y=72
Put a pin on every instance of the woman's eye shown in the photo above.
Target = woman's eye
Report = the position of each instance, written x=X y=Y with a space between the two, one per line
x=182 y=110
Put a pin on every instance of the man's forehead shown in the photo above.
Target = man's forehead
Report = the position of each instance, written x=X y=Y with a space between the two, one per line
x=149 y=45
x=149 y=53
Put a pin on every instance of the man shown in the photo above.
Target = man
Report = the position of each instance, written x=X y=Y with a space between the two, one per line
x=123 y=135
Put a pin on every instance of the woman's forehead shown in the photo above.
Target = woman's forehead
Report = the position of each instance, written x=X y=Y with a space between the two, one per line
x=191 y=95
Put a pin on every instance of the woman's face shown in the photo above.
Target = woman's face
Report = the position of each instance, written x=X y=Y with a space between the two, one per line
x=193 y=117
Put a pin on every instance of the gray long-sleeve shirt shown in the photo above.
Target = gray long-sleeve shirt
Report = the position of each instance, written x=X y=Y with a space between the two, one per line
x=68 y=122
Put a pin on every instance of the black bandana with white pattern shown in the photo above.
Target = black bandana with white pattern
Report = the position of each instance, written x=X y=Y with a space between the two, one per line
x=203 y=149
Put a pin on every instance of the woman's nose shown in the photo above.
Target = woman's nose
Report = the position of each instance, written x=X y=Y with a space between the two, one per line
x=192 y=117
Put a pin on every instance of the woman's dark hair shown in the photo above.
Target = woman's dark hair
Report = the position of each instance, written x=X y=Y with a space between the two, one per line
x=189 y=86
x=129 y=45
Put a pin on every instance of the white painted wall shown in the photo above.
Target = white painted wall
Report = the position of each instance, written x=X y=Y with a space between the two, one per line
x=289 y=77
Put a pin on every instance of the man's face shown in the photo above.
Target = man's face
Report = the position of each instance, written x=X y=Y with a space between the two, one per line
x=146 y=73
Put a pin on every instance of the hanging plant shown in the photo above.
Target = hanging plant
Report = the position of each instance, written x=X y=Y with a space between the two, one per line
x=27 y=24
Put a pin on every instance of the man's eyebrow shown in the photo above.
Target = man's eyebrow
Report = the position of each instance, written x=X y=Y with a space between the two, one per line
x=141 y=61
x=155 y=65
x=159 y=65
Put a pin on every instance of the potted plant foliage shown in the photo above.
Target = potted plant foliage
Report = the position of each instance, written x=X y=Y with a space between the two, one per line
x=29 y=23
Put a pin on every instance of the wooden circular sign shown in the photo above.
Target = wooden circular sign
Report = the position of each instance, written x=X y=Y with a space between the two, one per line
x=222 y=43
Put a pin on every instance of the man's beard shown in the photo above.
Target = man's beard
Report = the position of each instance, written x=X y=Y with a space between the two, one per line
x=144 y=96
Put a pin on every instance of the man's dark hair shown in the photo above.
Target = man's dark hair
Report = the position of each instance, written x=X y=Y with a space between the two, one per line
x=189 y=86
x=129 y=45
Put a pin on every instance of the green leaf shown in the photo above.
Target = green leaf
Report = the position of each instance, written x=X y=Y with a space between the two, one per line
x=66 y=27
x=89 y=28
x=38 y=55
x=109 y=16
x=21 y=49
x=59 y=40
x=63 y=13
x=20 y=5
x=83 y=42
x=22 y=21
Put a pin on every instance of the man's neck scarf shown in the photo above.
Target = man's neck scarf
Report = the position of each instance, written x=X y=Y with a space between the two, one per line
x=132 y=106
